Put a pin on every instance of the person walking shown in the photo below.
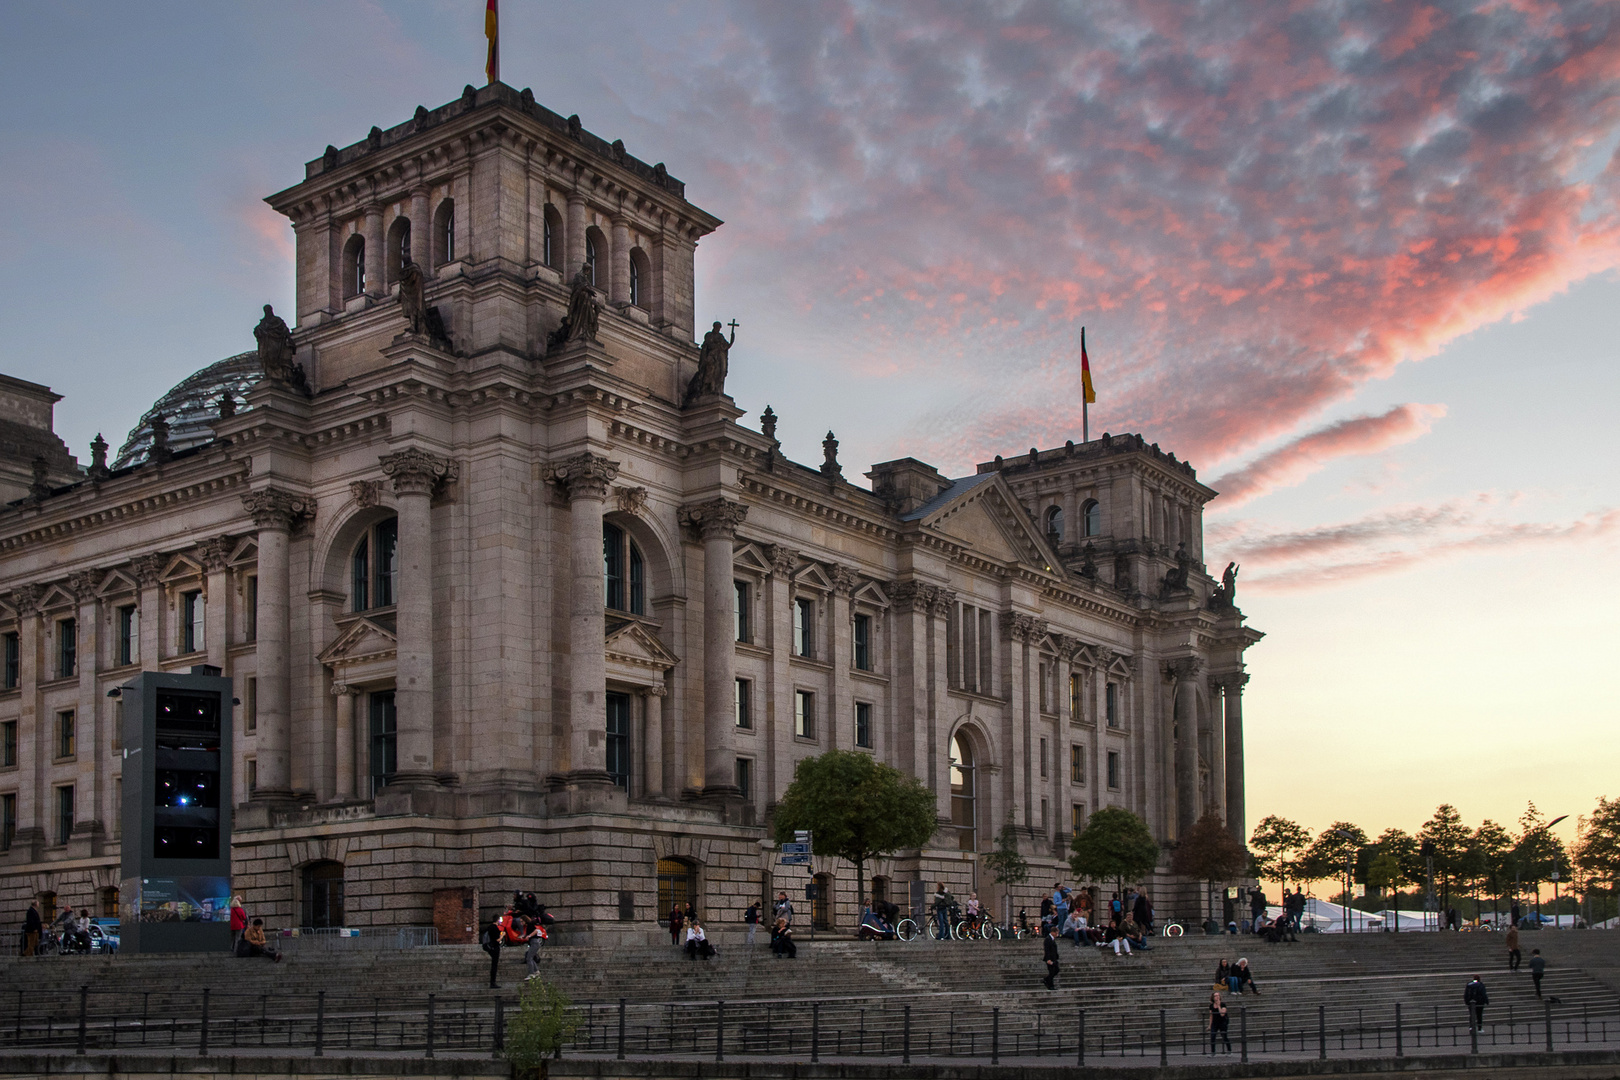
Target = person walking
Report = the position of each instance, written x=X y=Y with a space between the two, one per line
x=1049 y=953
x=1514 y=956
x=1476 y=998
x=784 y=908
x=751 y=917
x=239 y=923
x=32 y=926
x=1516 y=911
x=1538 y=968
x=1219 y=1022
x=490 y=940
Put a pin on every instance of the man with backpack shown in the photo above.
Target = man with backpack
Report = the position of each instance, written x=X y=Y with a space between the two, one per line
x=1475 y=997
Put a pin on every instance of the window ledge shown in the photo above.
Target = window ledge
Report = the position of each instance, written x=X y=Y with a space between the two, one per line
x=59 y=681
x=863 y=673
x=808 y=740
x=971 y=695
x=749 y=730
x=350 y=617
x=750 y=648
x=65 y=760
x=810 y=662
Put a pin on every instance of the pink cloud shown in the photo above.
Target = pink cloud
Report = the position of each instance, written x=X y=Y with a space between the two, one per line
x=1292 y=462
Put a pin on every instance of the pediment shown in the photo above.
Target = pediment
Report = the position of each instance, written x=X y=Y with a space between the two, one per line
x=629 y=642
x=245 y=553
x=871 y=594
x=814 y=576
x=181 y=568
x=57 y=597
x=117 y=583
x=364 y=640
x=748 y=556
x=986 y=518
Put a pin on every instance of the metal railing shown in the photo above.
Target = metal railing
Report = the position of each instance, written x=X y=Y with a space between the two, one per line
x=208 y=1020
x=333 y=939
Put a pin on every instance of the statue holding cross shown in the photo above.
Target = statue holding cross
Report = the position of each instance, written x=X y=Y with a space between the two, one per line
x=714 y=360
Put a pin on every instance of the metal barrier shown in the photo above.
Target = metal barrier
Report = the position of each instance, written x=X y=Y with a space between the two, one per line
x=334 y=939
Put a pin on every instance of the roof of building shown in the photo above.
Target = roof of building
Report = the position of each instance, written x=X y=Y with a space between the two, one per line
x=958 y=487
x=192 y=406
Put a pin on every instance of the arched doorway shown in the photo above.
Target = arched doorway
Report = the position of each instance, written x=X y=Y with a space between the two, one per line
x=821 y=908
x=964 y=793
x=677 y=885
x=323 y=895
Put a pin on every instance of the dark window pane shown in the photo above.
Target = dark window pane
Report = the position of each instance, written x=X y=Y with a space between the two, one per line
x=386 y=536
x=613 y=566
x=360 y=579
x=638 y=582
x=618 y=739
x=384 y=739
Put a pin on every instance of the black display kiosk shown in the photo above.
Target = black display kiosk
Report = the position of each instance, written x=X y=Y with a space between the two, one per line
x=176 y=872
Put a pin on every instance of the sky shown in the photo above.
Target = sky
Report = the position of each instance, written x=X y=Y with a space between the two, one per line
x=1355 y=260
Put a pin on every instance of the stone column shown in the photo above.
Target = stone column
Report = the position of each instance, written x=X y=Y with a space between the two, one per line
x=33 y=743
x=421 y=232
x=777 y=707
x=343 y=739
x=652 y=741
x=1184 y=673
x=841 y=640
x=716 y=522
x=416 y=474
x=375 y=285
x=619 y=276
x=574 y=234
x=214 y=554
x=911 y=689
x=940 y=603
x=273 y=511
x=89 y=733
x=1217 y=748
x=148 y=647
x=586 y=477
x=1233 y=698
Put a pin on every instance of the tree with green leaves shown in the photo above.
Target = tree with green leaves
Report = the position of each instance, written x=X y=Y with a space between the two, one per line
x=1384 y=873
x=1597 y=850
x=542 y=1024
x=1276 y=844
x=1209 y=852
x=1536 y=851
x=1494 y=847
x=857 y=807
x=1114 y=846
x=1449 y=838
x=1329 y=854
x=1007 y=867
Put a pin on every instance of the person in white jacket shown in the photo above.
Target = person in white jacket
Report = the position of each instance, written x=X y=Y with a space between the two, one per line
x=697 y=943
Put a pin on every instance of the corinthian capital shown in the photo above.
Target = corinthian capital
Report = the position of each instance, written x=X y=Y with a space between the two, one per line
x=26 y=598
x=783 y=559
x=715 y=518
x=275 y=509
x=1027 y=628
x=146 y=569
x=1183 y=668
x=583 y=476
x=845 y=580
x=417 y=472
x=215 y=553
x=83 y=584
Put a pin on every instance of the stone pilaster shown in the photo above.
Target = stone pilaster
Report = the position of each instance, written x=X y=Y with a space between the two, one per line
x=777 y=706
x=343 y=743
x=274 y=513
x=652 y=741
x=585 y=478
x=841 y=640
x=716 y=521
x=416 y=475
x=375 y=284
x=1183 y=673
x=1232 y=685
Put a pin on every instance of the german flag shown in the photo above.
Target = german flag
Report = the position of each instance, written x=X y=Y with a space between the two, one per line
x=1085 y=361
x=492 y=65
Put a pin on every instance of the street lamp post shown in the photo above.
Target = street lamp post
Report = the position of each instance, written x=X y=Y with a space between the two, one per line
x=1349 y=864
x=1549 y=825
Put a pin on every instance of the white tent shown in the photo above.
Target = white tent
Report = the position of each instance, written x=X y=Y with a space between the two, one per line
x=1329 y=918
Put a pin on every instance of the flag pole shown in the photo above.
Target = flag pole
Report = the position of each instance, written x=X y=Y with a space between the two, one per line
x=1087 y=394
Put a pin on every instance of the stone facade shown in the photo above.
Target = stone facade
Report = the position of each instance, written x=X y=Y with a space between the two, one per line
x=505 y=609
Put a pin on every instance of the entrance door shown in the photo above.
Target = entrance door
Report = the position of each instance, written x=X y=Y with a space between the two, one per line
x=821 y=907
x=618 y=739
x=323 y=894
x=677 y=885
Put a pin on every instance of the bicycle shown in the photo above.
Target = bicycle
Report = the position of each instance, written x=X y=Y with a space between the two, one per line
x=1173 y=929
x=978 y=929
x=907 y=930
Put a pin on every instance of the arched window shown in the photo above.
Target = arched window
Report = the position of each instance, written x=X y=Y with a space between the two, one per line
x=1091 y=517
x=677 y=886
x=640 y=278
x=399 y=247
x=963 y=795
x=821 y=908
x=551 y=250
x=444 y=233
x=590 y=254
x=323 y=895
x=1054 y=524
x=624 y=572
x=373 y=567
x=354 y=266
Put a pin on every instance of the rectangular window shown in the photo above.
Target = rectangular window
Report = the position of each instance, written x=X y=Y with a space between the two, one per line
x=863 y=642
x=740 y=611
x=360 y=575
x=13 y=671
x=384 y=739
x=66 y=742
x=863 y=725
x=745 y=704
x=1043 y=813
x=191 y=621
x=250 y=774
x=987 y=640
x=118 y=807
x=1077 y=818
x=1042 y=673
x=128 y=636
x=970 y=648
x=1113 y=770
x=1077 y=712
x=250 y=705
x=972 y=635
x=64 y=814
x=745 y=777
x=8 y=821
x=1043 y=759
x=1077 y=764
x=804 y=714
x=250 y=617
x=387 y=569
x=67 y=648
x=8 y=744
x=1111 y=704
x=804 y=628
x=618 y=740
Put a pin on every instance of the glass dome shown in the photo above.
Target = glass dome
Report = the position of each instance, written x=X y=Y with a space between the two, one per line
x=192 y=407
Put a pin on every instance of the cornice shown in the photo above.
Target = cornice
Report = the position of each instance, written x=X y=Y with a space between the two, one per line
x=129 y=510
x=756 y=484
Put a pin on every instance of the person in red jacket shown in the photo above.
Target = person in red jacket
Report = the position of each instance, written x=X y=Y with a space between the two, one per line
x=239 y=922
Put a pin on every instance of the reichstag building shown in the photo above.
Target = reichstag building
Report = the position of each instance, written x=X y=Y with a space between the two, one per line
x=510 y=598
